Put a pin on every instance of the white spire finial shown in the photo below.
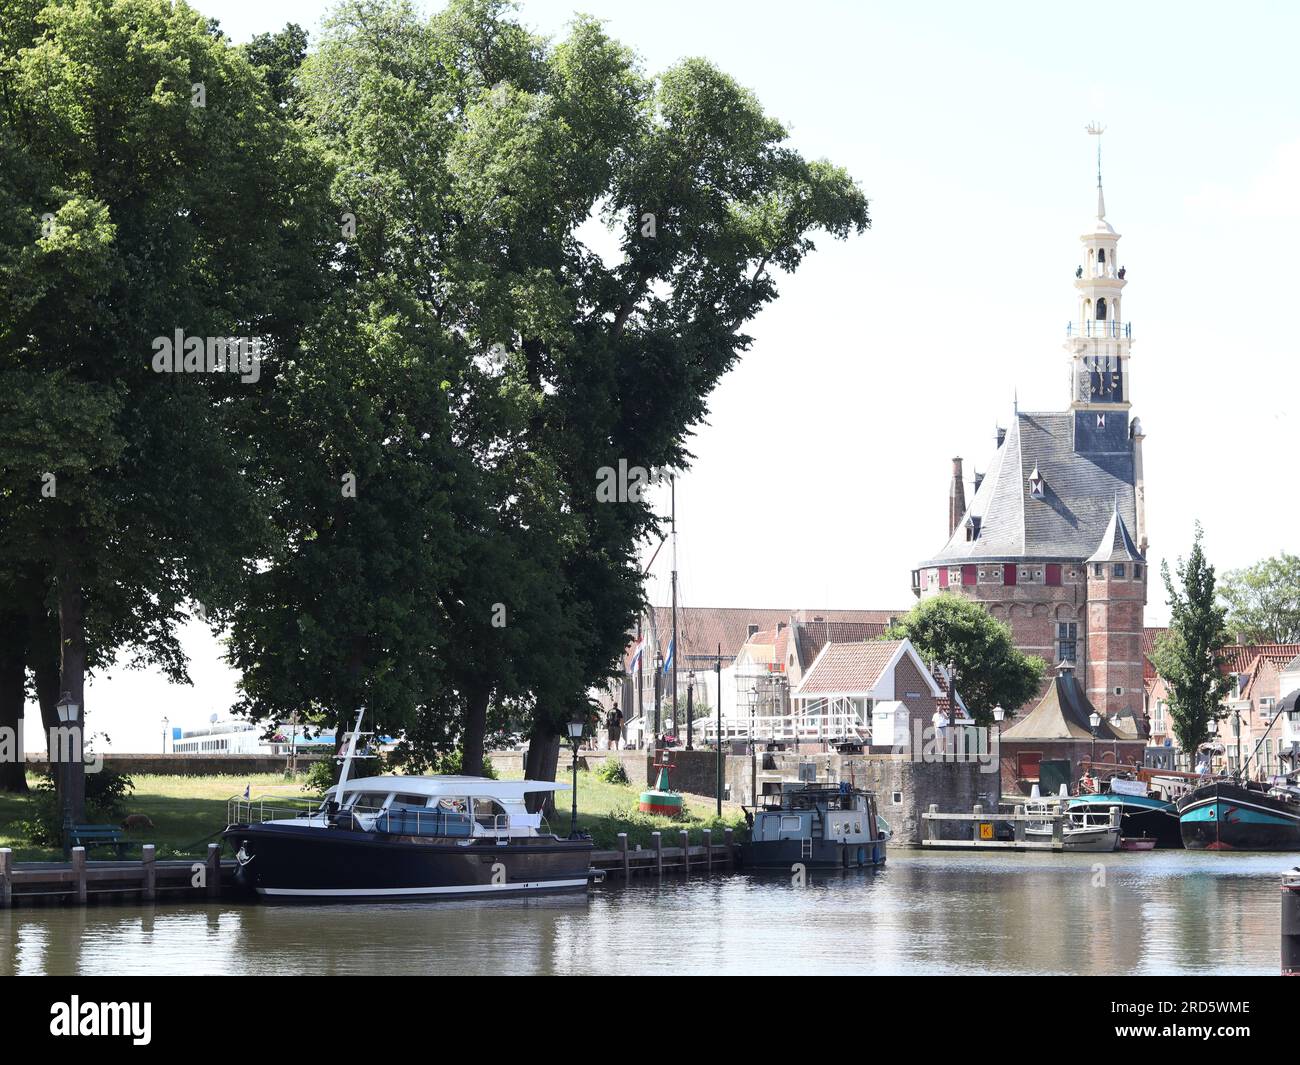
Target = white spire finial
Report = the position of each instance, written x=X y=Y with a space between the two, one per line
x=1096 y=129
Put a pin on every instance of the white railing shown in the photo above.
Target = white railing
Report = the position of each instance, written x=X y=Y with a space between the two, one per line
x=1104 y=329
x=812 y=727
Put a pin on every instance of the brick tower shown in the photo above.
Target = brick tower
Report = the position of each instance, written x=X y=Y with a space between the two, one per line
x=1117 y=595
x=1062 y=492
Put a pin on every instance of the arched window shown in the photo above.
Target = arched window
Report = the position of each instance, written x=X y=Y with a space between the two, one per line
x=1101 y=308
x=1101 y=256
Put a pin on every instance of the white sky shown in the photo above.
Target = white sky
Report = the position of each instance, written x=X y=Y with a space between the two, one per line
x=822 y=476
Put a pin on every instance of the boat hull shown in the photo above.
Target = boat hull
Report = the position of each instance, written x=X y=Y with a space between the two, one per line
x=1227 y=816
x=1139 y=817
x=336 y=864
x=823 y=854
x=1100 y=839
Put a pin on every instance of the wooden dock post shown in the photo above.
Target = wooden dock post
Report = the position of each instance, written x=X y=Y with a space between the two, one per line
x=148 y=860
x=79 y=872
x=622 y=850
x=214 y=870
x=932 y=826
x=975 y=824
x=708 y=851
x=1058 y=830
x=6 y=874
x=728 y=835
x=658 y=839
x=684 y=838
x=1020 y=825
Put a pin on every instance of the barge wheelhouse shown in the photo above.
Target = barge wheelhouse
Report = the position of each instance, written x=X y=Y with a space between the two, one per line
x=816 y=825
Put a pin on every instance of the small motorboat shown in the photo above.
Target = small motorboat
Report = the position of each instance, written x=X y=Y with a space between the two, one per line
x=1137 y=843
x=1083 y=830
x=818 y=826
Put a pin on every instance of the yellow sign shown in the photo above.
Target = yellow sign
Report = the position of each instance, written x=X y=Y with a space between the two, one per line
x=986 y=830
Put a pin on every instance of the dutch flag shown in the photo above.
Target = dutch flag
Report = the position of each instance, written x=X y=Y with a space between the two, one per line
x=634 y=663
x=668 y=662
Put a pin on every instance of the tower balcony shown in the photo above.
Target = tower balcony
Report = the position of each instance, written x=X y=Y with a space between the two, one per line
x=1102 y=330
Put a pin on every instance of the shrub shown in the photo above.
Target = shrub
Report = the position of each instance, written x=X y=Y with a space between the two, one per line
x=106 y=794
x=612 y=772
x=321 y=776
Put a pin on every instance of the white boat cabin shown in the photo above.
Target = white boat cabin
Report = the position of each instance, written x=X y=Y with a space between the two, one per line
x=436 y=805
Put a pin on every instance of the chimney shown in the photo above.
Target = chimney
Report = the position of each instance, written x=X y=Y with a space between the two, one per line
x=956 y=497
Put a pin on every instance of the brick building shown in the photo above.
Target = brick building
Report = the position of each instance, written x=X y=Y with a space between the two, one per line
x=1053 y=539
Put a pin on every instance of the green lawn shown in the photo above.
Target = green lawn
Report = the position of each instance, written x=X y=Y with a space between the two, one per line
x=187 y=812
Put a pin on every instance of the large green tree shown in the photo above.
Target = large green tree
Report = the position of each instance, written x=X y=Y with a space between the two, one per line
x=1264 y=600
x=988 y=669
x=151 y=185
x=1189 y=656
x=474 y=156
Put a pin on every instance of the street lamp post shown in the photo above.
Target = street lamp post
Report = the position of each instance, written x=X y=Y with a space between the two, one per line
x=999 y=715
x=575 y=739
x=69 y=751
x=1094 y=722
x=165 y=722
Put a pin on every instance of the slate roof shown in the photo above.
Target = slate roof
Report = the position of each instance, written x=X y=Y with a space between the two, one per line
x=848 y=668
x=1081 y=492
x=1062 y=714
x=1116 y=544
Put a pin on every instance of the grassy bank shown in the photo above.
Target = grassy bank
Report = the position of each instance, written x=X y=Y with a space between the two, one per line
x=187 y=812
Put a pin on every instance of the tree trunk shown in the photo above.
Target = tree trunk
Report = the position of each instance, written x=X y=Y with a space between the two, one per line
x=13 y=696
x=543 y=758
x=72 y=680
x=471 y=749
x=43 y=661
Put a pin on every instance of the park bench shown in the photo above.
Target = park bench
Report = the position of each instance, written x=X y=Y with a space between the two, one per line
x=90 y=836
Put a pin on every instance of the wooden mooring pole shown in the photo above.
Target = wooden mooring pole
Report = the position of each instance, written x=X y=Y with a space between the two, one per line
x=79 y=872
x=6 y=880
x=658 y=839
x=214 y=870
x=149 y=861
x=1291 y=924
x=622 y=850
x=728 y=834
x=708 y=851
x=684 y=838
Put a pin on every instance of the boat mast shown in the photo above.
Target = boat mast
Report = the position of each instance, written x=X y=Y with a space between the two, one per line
x=672 y=482
x=350 y=753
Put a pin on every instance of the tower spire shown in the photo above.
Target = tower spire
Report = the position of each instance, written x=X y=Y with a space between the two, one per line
x=1096 y=129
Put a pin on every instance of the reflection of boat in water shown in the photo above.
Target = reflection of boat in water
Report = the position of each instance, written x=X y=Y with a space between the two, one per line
x=406 y=837
x=816 y=825
x=1142 y=814
x=1084 y=830
x=1242 y=815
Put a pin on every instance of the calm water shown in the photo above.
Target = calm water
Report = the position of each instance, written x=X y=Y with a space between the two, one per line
x=1161 y=912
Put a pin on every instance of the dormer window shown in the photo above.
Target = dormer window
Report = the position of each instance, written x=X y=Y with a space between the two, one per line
x=972 y=528
x=1037 y=486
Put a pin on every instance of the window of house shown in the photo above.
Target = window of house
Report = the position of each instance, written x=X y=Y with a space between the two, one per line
x=1119 y=569
x=1067 y=641
x=1137 y=570
x=1097 y=570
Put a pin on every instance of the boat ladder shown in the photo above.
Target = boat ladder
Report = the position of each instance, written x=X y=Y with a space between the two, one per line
x=805 y=848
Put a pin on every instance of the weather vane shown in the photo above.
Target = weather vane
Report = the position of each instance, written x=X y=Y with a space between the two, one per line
x=1096 y=129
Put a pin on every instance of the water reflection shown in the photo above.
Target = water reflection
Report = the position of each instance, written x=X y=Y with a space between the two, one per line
x=1164 y=912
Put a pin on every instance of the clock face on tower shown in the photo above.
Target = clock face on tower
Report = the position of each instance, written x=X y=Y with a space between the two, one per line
x=1106 y=386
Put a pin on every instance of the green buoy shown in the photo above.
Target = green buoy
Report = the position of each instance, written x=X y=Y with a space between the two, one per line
x=661 y=799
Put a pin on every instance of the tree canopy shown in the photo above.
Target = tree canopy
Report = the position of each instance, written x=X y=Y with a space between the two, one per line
x=1189 y=656
x=1264 y=600
x=988 y=670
